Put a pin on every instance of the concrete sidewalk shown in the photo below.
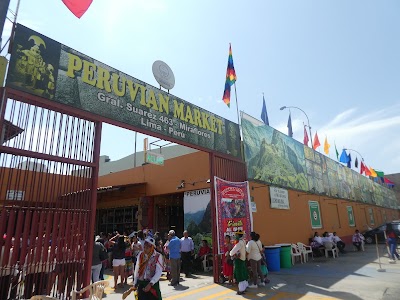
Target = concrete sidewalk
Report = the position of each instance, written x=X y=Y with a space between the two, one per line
x=352 y=276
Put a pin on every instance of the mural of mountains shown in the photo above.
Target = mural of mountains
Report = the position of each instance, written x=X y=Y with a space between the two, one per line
x=195 y=217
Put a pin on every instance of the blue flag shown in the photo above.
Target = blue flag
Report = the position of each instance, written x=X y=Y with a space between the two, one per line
x=343 y=157
x=289 y=126
x=264 y=114
x=349 y=161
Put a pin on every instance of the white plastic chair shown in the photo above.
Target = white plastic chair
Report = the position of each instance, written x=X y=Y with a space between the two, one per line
x=362 y=246
x=329 y=246
x=296 y=253
x=96 y=290
x=207 y=263
x=305 y=250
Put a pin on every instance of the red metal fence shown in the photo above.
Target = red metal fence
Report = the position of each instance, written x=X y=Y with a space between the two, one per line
x=47 y=199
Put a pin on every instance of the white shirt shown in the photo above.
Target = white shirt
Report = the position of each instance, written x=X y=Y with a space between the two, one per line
x=241 y=248
x=187 y=244
x=318 y=239
x=326 y=239
x=157 y=274
x=336 y=239
x=253 y=248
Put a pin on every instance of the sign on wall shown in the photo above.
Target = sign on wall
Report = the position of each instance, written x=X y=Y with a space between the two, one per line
x=15 y=195
x=315 y=214
x=350 y=215
x=233 y=209
x=371 y=216
x=46 y=68
x=197 y=211
x=279 y=198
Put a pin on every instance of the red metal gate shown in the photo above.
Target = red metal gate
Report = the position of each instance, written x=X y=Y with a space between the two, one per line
x=48 y=183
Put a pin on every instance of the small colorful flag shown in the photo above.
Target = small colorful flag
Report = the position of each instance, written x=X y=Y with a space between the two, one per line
x=356 y=162
x=316 y=141
x=264 y=114
x=373 y=173
x=305 y=136
x=289 y=126
x=389 y=182
x=230 y=79
x=349 y=161
x=78 y=7
x=337 y=153
x=362 y=168
x=380 y=173
x=367 y=171
x=344 y=157
x=326 y=146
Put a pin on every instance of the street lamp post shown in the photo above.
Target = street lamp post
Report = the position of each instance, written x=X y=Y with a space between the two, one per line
x=308 y=120
x=354 y=151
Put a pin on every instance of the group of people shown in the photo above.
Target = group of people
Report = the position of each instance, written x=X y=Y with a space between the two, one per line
x=318 y=242
x=237 y=257
x=145 y=256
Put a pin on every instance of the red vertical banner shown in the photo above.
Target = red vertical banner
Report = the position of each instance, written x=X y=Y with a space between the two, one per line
x=233 y=209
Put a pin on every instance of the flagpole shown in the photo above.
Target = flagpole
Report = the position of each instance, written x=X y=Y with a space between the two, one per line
x=237 y=109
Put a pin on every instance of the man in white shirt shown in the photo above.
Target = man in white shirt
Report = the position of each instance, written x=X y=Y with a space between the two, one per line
x=187 y=250
x=339 y=243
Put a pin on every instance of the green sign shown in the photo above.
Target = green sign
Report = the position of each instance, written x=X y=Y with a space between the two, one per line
x=315 y=215
x=350 y=215
x=154 y=158
x=46 y=68
x=371 y=216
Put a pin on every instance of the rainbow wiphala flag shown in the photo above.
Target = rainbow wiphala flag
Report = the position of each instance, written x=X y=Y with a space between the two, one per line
x=230 y=79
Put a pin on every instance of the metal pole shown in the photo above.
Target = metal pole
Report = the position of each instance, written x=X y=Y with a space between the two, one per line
x=134 y=155
x=4 y=4
x=237 y=110
x=354 y=151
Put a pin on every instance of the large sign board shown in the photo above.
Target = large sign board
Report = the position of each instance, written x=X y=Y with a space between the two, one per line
x=46 y=68
x=279 y=198
x=275 y=158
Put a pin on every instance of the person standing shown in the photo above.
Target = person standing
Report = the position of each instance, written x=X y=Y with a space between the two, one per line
x=187 y=250
x=118 y=258
x=392 y=242
x=254 y=249
x=227 y=266
x=147 y=273
x=240 y=270
x=96 y=259
x=174 y=247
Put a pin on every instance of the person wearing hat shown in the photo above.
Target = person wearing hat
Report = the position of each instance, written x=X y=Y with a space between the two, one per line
x=240 y=270
x=147 y=273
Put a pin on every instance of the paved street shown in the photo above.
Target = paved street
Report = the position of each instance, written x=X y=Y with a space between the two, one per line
x=352 y=276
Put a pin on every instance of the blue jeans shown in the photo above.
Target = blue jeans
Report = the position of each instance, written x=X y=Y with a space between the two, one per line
x=393 y=246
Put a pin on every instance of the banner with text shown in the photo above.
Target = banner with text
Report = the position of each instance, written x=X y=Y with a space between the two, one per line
x=315 y=214
x=46 y=68
x=233 y=209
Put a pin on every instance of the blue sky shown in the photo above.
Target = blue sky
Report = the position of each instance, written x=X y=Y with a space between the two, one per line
x=337 y=60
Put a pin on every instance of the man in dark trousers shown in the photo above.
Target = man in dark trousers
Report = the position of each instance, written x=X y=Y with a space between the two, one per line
x=187 y=251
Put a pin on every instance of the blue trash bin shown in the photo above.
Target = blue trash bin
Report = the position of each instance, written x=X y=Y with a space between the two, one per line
x=272 y=254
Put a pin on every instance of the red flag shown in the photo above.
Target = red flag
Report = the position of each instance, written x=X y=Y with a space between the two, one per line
x=78 y=7
x=367 y=171
x=362 y=168
x=316 y=142
x=305 y=136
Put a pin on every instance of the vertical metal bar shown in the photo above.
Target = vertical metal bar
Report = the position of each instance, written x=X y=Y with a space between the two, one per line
x=213 y=219
x=94 y=176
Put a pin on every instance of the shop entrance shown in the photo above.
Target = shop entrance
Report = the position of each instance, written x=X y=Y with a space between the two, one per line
x=51 y=116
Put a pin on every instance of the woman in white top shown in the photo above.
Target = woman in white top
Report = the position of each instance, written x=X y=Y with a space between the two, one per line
x=254 y=250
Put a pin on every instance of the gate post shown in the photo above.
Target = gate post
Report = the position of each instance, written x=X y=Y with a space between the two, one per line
x=93 y=190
